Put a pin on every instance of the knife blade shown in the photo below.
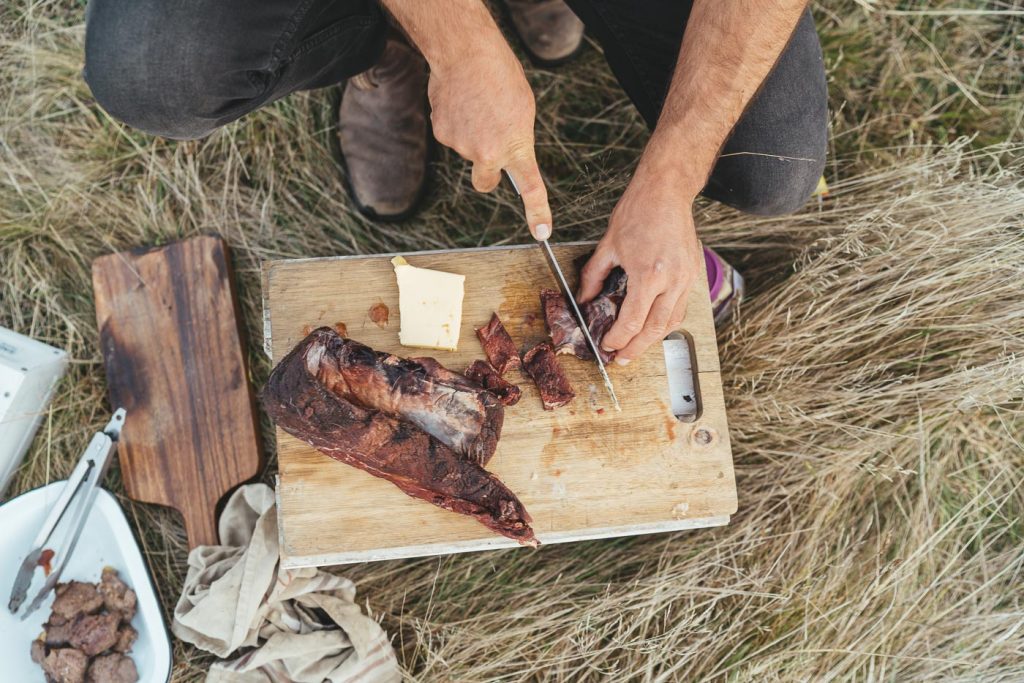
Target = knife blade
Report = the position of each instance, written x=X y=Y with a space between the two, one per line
x=580 y=320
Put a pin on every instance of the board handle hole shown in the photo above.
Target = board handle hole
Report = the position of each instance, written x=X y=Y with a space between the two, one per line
x=683 y=378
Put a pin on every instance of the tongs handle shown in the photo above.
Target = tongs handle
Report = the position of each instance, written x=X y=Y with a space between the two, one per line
x=80 y=493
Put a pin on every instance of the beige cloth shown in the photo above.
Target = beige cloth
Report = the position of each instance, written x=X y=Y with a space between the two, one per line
x=237 y=597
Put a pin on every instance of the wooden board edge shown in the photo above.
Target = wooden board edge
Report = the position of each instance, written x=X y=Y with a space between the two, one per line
x=269 y=264
x=265 y=301
x=495 y=543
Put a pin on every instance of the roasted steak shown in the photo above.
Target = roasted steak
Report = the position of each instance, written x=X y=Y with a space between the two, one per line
x=442 y=403
x=112 y=668
x=542 y=365
x=481 y=372
x=498 y=346
x=323 y=415
x=74 y=598
x=117 y=596
x=65 y=665
x=600 y=313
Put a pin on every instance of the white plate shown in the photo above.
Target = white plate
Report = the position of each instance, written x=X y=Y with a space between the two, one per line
x=106 y=541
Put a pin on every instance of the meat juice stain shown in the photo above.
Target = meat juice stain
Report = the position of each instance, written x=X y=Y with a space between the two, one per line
x=341 y=328
x=379 y=314
x=45 y=558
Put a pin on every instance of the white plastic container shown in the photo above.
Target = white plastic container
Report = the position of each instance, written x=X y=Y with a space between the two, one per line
x=29 y=372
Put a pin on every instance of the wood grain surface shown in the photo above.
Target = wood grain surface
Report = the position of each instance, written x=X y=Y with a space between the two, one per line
x=583 y=471
x=171 y=341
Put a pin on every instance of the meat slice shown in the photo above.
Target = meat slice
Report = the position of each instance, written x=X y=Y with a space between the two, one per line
x=74 y=598
x=481 y=372
x=58 y=635
x=126 y=637
x=65 y=665
x=456 y=412
x=498 y=346
x=542 y=365
x=112 y=668
x=38 y=651
x=94 y=633
x=420 y=465
x=117 y=596
x=600 y=313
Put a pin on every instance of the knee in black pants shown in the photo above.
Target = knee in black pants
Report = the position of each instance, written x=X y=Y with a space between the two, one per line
x=765 y=185
x=149 y=68
x=182 y=69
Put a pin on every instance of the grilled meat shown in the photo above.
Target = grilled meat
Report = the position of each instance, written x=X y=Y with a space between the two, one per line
x=498 y=346
x=481 y=372
x=442 y=403
x=542 y=365
x=308 y=397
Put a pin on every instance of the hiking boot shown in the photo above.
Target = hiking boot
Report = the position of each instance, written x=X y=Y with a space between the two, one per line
x=384 y=133
x=550 y=31
x=725 y=285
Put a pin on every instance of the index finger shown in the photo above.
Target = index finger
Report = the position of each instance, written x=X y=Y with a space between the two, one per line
x=525 y=173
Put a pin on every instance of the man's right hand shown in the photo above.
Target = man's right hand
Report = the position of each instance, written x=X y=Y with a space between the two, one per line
x=481 y=103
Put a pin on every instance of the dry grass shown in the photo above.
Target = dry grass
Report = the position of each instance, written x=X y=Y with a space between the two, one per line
x=875 y=379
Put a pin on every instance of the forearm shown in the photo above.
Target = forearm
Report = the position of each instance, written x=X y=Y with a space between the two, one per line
x=447 y=31
x=728 y=50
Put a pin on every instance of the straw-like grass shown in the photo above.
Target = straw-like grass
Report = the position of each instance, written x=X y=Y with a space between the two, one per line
x=874 y=379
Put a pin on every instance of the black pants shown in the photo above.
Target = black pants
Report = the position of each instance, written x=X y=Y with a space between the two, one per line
x=182 y=68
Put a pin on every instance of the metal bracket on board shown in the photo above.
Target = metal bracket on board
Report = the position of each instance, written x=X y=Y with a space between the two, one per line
x=683 y=384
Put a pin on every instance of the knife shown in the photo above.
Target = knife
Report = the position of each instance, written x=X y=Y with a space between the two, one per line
x=576 y=312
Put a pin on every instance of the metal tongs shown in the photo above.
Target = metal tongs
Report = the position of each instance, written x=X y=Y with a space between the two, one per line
x=78 y=496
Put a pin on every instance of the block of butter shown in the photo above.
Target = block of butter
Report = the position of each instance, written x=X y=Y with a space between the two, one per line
x=430 y=306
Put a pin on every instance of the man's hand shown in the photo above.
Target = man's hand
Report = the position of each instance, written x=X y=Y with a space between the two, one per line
x=651 y=235
x=481 y=103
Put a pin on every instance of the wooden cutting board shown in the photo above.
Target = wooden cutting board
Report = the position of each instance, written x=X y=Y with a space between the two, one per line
x=583 y=471
x=172 y=347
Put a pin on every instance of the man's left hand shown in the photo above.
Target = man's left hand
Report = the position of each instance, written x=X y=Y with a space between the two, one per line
x=652 y=236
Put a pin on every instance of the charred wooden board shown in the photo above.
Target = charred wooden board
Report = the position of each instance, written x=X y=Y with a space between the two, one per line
x=583 y=471
x=172 y=347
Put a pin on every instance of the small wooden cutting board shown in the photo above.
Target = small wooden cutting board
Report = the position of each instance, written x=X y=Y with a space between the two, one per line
x=172 y=347
x=583 y=471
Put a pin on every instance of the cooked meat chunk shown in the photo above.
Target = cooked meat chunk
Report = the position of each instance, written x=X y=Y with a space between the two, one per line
x=542 y=365
x=65 y=665
x=454 y=411
x=126 y=637
x=486 y=376
x=94 y=633
x=112 y=668
x=74 y=598
x=58 y=635
x=498 y=346
x=309 y=402
x=117 y=596
x=600 y=313
x=38 y=651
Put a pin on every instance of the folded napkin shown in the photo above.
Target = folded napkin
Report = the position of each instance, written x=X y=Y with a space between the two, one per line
x=292 y=624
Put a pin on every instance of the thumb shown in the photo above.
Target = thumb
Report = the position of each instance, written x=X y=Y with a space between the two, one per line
x=526 y=175
x=593 y=275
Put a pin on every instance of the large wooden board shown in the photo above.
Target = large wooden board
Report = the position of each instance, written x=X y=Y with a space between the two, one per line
x=584 y=471
x=172 y=348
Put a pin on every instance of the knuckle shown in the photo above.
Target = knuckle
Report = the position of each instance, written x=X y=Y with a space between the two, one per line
x=631 y=326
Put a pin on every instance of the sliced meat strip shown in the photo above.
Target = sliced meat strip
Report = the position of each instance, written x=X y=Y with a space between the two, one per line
x=498 y=346
x=117 y=596
x=481 y=372
x=74 y=598
x=112 y=668
x=94 y=633
x=600 y=313
x=542 y=365
x=420 y=465
x=445 y=405
x=566 y=335
x=65 y=665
